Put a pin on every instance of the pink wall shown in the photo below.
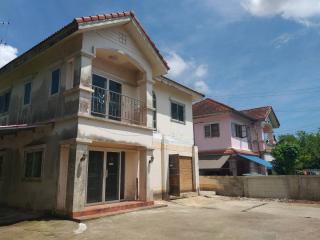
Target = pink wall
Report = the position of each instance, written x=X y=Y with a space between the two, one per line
x=226 y=140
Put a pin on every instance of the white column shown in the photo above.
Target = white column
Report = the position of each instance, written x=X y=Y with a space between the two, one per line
x=195 y=163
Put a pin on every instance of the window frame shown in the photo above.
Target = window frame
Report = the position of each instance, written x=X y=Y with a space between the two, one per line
x=154 y=113
x=210 y=126
x=32 y=150
x=239 y=130
x=24 y=93
x=6 y=104
x=59 y=82
x=184 y=111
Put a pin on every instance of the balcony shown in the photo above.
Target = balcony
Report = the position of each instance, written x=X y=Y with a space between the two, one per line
x=115 y=106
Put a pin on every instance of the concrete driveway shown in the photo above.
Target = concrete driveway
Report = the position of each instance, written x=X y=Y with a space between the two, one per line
x=192 y=218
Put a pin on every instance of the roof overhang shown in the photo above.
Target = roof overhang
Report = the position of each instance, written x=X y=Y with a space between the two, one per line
x=171 y=83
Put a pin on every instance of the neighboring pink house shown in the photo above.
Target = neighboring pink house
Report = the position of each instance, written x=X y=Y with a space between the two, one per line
x=233 y=142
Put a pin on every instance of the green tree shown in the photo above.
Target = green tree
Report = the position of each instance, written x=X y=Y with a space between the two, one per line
x=309 y=148
x=286 y=156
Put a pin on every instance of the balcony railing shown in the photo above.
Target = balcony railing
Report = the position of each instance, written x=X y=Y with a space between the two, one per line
x=116 y=106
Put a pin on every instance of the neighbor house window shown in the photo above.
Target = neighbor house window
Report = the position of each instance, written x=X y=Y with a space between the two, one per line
x=154 y=105
x=177 y=111
x=1 y=165
x=55 y=81
x=239 y=131
x=27 y=93
x=212 y=130
x=5 y=102
x=33 y=163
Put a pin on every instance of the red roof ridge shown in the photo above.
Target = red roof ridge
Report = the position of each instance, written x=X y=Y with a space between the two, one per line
x=248 y=109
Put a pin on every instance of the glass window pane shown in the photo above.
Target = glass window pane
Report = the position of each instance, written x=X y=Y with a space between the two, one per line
x=37 y=164
x=174 y=111
x=207 y=131
x=27 y=93
x=28 y=167
x=215 y=130
x=7 y=101
x=181 y=113
x=55 y=81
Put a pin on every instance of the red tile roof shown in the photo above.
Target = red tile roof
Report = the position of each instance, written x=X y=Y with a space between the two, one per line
x=71 y=28
x=209 y=106
x=258 y=113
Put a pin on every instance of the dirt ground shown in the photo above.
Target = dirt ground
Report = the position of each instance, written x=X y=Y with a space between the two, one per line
x=212 y=217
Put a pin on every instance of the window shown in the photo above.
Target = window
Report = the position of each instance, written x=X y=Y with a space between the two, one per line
x=70 y=74
x=212 y=130
x=1 y=165
x=27 y=93
x=177 y=111
x=55 y=81
x=5 y=102
x=33 y=164
x=239 y=131
x=154 y=105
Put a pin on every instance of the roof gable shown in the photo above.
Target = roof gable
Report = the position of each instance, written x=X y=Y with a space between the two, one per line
x=73 y=27
x=209 y=106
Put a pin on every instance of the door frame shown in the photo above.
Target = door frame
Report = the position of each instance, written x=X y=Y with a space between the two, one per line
x=104 y=150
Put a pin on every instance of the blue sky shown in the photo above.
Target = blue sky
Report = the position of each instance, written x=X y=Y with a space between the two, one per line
x=245 y=53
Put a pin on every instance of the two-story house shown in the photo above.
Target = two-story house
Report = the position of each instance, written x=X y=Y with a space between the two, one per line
x=89 y=122
x=233 y=142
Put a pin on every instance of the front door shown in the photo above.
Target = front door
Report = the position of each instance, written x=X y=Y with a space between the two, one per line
x=95 y=177
x=113 y=176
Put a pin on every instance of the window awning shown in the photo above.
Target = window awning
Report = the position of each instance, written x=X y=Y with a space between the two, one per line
x=213 y=163
x=256 y=159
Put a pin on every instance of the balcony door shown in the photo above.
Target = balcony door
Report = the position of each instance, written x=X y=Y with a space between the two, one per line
x=106 y=98
x=98 y=102
x=115 y=90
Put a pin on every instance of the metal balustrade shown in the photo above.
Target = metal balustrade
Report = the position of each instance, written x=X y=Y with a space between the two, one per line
x=116 y=106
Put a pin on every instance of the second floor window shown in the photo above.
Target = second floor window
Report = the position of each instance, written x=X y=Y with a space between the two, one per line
x=239 y=131
x=154 y=105
x=5 y=102
x=212 y=130
x=177 y=111
x=33 y=164
x=55 y=82
x=27 y=93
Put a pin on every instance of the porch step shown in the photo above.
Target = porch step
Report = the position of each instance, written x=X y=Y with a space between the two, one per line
x=103 y=210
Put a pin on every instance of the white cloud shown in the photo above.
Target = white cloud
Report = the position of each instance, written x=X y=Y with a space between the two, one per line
x=7 y=53
x=176 y=63
x=299 y=10
x=201 y=71
x=201 y=86
x=188 y=72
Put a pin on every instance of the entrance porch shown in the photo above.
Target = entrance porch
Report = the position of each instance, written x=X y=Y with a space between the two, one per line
x=108 y=178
